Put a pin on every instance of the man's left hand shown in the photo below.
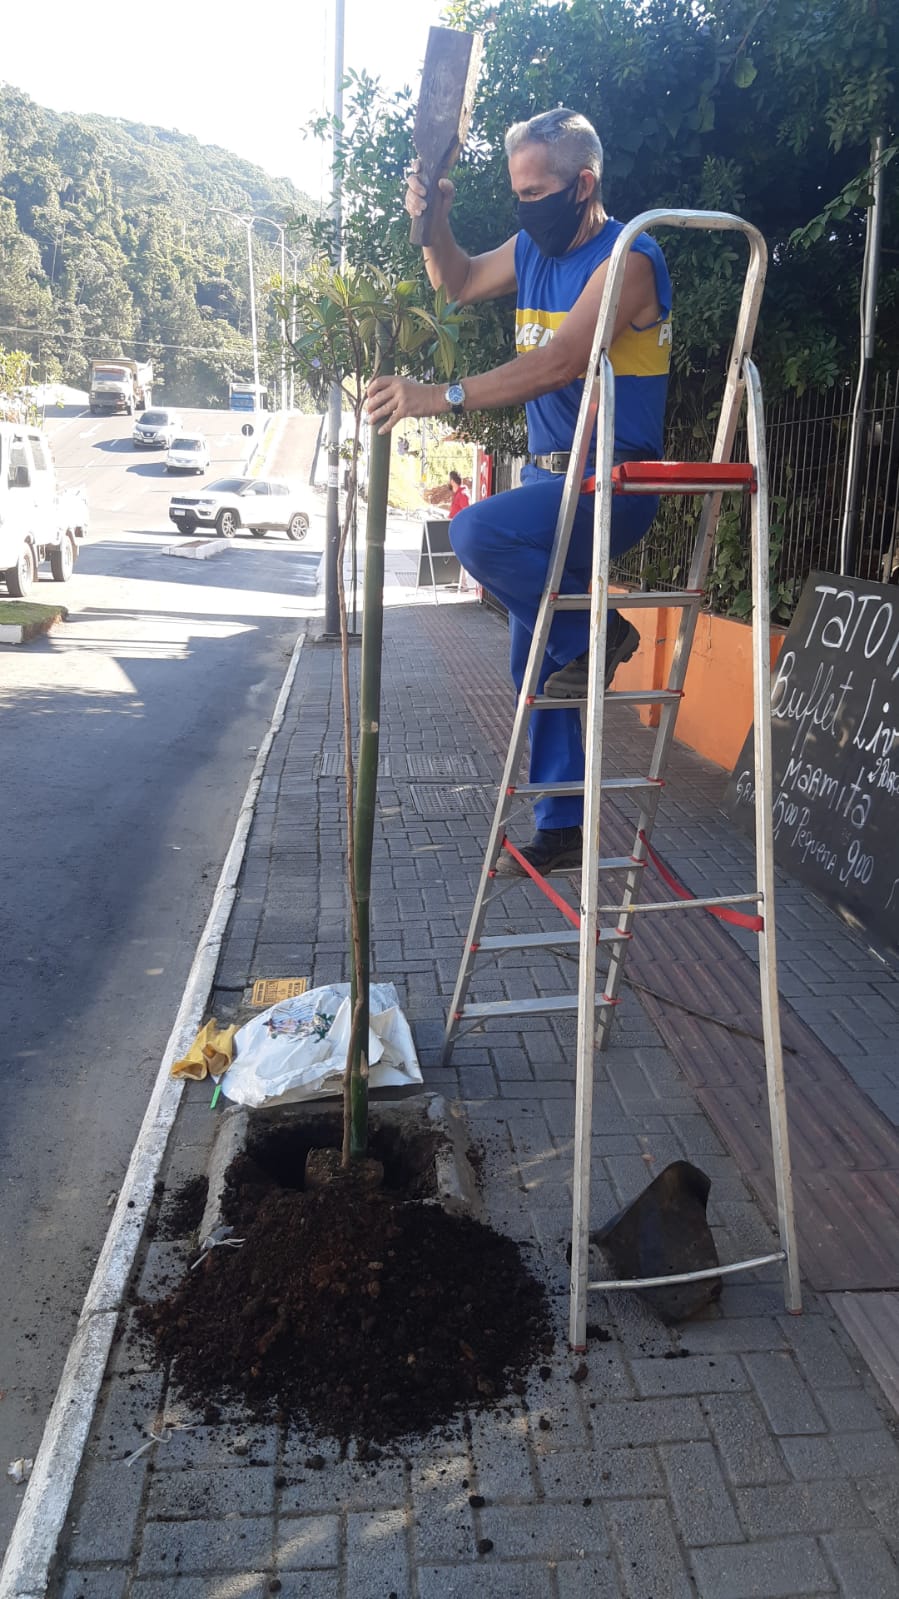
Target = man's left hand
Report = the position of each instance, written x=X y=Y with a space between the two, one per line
x=391 y=399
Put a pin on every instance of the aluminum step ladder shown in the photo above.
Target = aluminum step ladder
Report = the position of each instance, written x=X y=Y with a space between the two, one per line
x=593 y=1002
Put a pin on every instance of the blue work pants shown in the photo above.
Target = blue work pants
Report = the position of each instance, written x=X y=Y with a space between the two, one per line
x=505 y=543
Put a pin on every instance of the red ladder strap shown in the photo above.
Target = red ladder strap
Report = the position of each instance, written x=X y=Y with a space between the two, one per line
x=683 y=477
x=755 y=923
x=568 y=911
x=562 y=905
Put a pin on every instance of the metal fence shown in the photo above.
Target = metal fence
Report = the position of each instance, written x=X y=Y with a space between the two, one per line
x=808 y=449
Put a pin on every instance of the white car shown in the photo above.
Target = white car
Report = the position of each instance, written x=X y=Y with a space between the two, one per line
x=188 y=455
x=156 y=430
x=263 y=505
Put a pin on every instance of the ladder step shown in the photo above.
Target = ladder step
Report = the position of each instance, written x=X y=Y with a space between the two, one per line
x=576 y=789
x=645 y=696
x=656 y=599
x=684 y=477
x=528 y=1007
x=605 y=935
x=642 y=696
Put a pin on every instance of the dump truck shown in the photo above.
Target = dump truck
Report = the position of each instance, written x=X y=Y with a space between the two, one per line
x=121 y=385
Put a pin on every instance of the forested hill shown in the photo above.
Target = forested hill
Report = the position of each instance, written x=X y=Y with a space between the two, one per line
x=109 y=245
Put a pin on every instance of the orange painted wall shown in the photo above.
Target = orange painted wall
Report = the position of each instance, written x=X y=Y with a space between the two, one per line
x=716 y=713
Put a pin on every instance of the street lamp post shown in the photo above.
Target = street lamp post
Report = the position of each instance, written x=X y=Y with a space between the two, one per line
x=294 y=256
x=254 y=334
x=281 y=230
x=247 y=222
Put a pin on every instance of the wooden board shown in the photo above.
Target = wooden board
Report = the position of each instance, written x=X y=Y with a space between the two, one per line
x=445 y=104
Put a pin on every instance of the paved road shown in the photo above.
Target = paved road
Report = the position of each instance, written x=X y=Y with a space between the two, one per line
x=127 y=741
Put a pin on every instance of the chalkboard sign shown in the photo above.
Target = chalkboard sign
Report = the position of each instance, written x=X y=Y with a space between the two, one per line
x=835 y=742
x=437 y=565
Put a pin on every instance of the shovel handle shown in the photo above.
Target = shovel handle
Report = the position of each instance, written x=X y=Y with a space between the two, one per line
x=420 y=230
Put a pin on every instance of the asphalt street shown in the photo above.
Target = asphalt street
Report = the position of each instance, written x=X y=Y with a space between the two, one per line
x=127 y=741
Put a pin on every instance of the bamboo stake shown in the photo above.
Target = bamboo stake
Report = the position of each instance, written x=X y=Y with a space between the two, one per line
x=367 y=779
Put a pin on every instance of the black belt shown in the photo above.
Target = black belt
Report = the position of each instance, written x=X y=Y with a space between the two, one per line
x=557 y=460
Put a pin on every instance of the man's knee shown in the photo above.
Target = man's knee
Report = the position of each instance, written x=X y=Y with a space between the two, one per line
x=466 y=537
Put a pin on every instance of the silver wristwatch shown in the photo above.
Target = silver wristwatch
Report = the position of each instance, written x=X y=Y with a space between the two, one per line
x=455 y=398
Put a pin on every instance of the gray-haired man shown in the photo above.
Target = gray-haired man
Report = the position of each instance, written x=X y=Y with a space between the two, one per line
x=557 y=263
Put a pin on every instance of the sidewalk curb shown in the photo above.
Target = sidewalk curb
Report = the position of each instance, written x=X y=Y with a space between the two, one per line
x=26 y=1568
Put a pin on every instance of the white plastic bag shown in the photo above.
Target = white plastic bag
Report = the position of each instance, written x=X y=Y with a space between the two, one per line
x=297 y=1049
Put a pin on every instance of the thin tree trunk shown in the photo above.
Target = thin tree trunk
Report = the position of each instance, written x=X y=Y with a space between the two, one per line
x=359 y=983
x=367 y=776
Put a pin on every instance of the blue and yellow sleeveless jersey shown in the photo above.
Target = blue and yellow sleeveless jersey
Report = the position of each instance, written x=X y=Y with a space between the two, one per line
x=548 y=287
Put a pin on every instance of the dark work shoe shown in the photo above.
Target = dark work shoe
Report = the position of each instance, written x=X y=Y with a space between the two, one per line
x=570 y=682
x=551 y=849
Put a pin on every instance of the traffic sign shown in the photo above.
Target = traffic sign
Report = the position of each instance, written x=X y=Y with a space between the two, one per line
x=248 y=430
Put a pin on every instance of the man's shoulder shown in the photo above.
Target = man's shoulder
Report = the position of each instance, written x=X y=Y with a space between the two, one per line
x=601 y=244
x=583 y=262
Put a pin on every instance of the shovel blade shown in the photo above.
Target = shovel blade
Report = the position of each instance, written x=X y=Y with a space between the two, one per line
x=662 y=1232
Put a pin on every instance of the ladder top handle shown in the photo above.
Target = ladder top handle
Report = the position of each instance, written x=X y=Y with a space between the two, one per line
x=703 y=221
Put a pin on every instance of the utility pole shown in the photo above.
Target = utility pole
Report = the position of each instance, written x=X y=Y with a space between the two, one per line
x=332 y=520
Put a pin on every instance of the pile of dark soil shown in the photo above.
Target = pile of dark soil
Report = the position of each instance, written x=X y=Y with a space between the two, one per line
x=361 y=1313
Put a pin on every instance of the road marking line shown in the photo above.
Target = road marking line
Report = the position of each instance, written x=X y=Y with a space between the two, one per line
x=31 y=1548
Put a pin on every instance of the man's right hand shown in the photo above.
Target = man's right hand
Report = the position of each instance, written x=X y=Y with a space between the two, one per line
x=418 y=199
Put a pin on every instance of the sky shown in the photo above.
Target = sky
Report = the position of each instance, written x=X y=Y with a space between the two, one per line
x=245 y=77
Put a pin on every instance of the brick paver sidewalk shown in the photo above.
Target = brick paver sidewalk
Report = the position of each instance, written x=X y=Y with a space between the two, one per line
x=762 y=1462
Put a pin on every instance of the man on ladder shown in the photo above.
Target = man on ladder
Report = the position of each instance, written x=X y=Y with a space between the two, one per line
x=557 y=263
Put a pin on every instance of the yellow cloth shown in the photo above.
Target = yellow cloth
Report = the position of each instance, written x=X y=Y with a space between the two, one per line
x=212 y=1052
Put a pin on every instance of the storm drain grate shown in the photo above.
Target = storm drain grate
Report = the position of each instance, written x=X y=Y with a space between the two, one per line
x=331 y=765
x=456 y=799
x=423 y=766
x=418 y=767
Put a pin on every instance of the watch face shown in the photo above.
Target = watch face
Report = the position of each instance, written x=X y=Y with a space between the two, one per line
x=455 y=394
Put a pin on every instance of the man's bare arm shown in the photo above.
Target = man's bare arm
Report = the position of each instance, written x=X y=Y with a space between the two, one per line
x=540 y=371
x=465 y=278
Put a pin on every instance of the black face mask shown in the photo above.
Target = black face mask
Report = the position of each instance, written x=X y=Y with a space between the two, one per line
x=553 y=222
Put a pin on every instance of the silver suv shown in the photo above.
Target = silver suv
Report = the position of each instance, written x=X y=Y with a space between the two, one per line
x=263 y=505
x=156 y=430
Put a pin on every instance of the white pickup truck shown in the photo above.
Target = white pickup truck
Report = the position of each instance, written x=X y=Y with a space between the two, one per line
x=38 y=521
